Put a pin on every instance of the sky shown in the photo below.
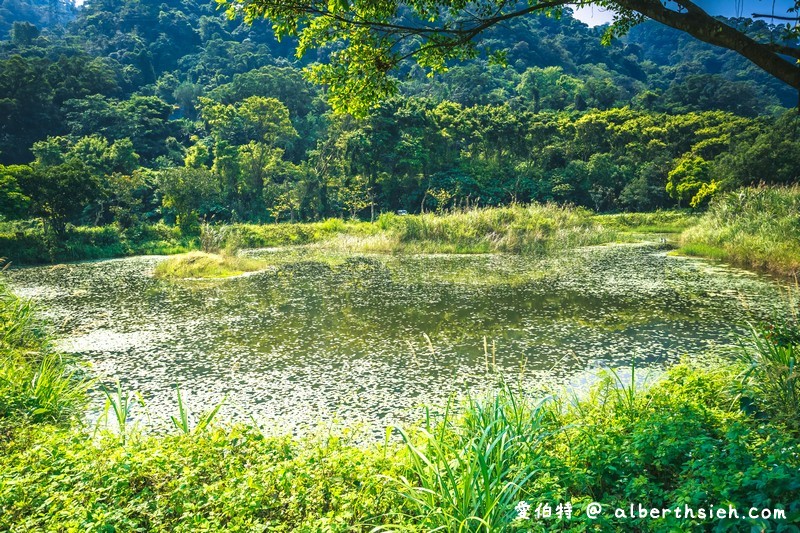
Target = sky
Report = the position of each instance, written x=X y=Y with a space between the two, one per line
x=594 y=16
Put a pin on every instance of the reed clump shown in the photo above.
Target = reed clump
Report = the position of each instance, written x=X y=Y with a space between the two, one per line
x=755 y=227
x=533 y=229
x=37 y=383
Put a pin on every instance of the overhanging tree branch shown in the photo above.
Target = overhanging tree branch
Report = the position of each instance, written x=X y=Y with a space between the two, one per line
x=704 y=27
x=776 y=17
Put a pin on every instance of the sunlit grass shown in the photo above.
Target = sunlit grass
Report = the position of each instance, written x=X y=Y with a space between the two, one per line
x=699 y=249
x=655 y=222
x=533 y=229
x=36 y=382
x=205 y=265
x=753 y=227
x=468 y=471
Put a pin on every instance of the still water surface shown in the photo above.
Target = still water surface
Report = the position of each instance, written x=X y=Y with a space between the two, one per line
x=345 y=339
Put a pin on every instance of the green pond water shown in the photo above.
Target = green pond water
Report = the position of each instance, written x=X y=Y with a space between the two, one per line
x=344 y=338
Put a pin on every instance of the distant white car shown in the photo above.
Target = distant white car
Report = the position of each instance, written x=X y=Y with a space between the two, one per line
x=402 y=212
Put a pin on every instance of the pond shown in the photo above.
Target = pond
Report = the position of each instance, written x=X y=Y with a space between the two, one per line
x=368 y=338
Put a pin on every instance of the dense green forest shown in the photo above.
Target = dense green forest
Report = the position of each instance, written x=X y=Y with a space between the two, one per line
x=133 y=112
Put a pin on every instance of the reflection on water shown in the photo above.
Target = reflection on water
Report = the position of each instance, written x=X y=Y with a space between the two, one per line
x=345 y=339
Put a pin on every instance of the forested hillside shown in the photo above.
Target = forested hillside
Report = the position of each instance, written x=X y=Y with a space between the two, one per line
x=39 y=13
x=141 y=111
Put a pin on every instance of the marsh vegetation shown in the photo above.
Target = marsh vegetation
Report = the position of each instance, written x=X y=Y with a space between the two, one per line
x=462 y=465
x=447 y=366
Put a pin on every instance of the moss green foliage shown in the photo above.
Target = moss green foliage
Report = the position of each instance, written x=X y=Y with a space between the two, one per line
x=681 y=441
x=204 y=265
x=753 y=227
x=688 y=438
x=216 y=480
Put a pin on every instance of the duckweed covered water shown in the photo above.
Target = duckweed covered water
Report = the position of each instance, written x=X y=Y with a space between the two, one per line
x=345 y=338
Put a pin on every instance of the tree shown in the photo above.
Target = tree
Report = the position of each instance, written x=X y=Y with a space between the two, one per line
x=23 y=33
x=13 y=203
x=189 y=193
x=370 y=38
x=354 y=195
x=691 y=181
x=248 y=138
x=59 y=192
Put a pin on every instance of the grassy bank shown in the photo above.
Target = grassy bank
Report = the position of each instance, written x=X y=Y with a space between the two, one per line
x=699 y=436
x=518 y=229
x=28 y=243
x=756 y=228
x=654 y=222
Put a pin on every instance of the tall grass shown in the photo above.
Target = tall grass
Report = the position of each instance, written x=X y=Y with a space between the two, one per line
x=467 y=472
x=36 y=382
x=537 y=228
x=757 y=227
x=654 y=222
x=204 y=265
x=772 y=376
x=237 y=236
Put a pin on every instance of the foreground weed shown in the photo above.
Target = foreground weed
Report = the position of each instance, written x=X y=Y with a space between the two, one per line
x=771 y=375
x=120 y=403
x=466 y=473
x=181 y=422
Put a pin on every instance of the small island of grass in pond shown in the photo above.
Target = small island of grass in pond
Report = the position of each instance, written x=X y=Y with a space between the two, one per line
x=206 y=265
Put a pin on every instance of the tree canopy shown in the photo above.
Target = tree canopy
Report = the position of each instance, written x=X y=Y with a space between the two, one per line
x=140 y=111
x=369 y=38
